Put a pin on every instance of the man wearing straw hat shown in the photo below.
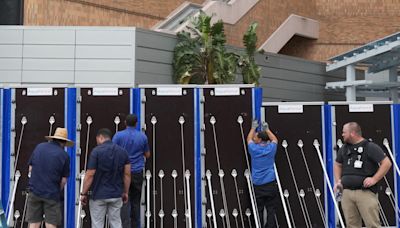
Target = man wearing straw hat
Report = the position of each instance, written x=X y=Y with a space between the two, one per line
x=49 y=170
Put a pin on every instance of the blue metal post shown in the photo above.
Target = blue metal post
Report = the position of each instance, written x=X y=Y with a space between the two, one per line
x=329 y=163
x=70 y=121
x=6 y=129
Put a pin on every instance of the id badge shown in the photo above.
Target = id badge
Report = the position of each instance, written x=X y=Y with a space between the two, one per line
x=358 y=164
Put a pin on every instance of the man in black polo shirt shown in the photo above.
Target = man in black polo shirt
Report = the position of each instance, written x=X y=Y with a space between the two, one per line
x=108 y=177
x=359 y=165
x=49 y=169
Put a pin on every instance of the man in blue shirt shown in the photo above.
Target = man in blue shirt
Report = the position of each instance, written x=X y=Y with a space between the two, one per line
x=262 y=148
x=108 y=177
x=135 y=142
x=49 y=170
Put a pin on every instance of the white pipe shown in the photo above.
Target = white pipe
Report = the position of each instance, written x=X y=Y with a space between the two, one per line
x=148 y=213
x=316 y=145
x=282 y=198
x=386 y=144
x=78 y=218
x=11 y=203
x=208 y=175
x=253 y=205
x=189 y=209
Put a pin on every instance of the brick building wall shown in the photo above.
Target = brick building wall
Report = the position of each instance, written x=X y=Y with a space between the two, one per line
x=344 y=24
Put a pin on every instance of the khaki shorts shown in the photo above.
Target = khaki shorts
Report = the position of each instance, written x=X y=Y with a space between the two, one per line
x=37 y=207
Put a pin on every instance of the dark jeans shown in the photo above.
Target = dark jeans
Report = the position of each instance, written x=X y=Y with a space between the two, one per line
x=266 y=197
x=130 y=212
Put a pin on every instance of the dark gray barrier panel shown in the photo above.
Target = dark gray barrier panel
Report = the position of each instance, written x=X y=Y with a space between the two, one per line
x=102 y=105
x=172 y=148
x=293 y=122
x=224 y=145
x=34 y=108
x=375 y=121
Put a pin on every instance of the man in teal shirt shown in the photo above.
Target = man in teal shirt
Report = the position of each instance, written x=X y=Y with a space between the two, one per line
x=262 y=148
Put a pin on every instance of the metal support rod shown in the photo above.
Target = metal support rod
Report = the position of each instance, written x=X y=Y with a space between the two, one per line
x=117 y=121
x=286 y=195
x=209 y=215
x=16 y=217
x=24 y=211
x=234 y=175
x=300 y=144
x=235 y=215
x=174 y=174
x=316 y=145
x=181 y=122
x=319 y=203
x=153 y=122
x=208 y=176
x=11 y=202
x=285 y=145
x=175 y=216
x=282 y=198
x=161 y=175
x=79 y=219
x=302 y=195
x=386 y=144
x=189 y=209
x=24 y=121
x=248 y=214
x=382 y=214
x=148 y=213
x=252 y=198
x=89 y=122
x=161 y=214
x=222 y=215
x=220 y=172
x=52 y=120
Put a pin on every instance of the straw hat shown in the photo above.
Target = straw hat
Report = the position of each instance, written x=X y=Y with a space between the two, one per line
x=61 y=134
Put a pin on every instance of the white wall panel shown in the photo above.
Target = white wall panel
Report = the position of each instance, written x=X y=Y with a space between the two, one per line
x=104 y=77
x=51 y=77
x=104 y=37
x=10 y=76
x=11 y=36
x=10 y=51
x=48 y=64
x=103 y=65
x=49 y=36
x=49 y=51
x=104 y=52
x=10 y=64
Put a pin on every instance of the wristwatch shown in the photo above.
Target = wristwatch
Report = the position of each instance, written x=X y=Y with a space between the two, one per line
x=83 y=194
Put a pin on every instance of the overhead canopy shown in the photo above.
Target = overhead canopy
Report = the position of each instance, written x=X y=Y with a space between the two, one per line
x=374 y=57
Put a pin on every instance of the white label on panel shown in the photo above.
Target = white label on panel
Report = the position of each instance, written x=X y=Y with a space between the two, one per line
x=40 y=92
x=105 y=91
x=169 y=91
x=361 y=108
x=290 y=108
x=227 y=91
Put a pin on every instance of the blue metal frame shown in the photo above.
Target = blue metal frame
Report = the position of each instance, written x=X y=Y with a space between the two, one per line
x=257 y=102
x=197 y=159
x=5 y=178
x=396 y=142
x=135 y=105
x=329 y=163
x=70 y=121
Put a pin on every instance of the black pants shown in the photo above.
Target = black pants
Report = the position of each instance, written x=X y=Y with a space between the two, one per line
x=266 y=197
x=131 y=216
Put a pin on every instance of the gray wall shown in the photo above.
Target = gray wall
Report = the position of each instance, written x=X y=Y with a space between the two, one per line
x=284 y=78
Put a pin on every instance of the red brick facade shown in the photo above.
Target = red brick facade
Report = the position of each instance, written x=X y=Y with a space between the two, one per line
x=344 y=24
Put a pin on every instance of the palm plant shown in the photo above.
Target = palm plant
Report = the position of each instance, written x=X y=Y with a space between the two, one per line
x=200 y=56
x=247 y=63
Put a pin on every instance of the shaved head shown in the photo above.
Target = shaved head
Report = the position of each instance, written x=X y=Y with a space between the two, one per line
x=354 y=127
x=351 y=133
